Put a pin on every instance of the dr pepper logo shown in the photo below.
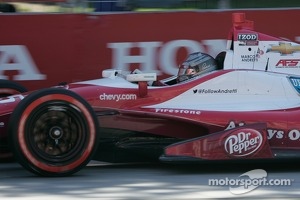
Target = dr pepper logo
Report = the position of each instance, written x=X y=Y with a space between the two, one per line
x=243 y=142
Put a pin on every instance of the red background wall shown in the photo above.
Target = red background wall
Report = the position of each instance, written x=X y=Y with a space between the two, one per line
x=74 y=47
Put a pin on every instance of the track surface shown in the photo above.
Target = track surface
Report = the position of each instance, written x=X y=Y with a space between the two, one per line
x=146 y=181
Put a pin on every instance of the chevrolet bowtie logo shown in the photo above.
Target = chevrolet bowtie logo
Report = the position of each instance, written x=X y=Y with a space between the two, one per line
x=284 y=48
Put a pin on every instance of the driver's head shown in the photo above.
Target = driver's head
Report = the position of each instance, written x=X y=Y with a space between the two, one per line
x=195 y=65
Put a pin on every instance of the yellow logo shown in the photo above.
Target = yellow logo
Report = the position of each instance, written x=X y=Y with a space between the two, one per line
x=284 y=48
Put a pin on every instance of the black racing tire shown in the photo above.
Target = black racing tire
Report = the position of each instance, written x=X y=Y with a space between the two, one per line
x=53 y=132
x=8 y=87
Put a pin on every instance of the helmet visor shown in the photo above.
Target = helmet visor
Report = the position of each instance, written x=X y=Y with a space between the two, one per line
x=186 y=70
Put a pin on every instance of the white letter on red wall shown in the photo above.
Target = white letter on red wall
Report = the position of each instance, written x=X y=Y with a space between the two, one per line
x=17 y=57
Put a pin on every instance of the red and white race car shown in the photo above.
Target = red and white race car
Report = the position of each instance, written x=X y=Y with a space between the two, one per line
x=243 y=104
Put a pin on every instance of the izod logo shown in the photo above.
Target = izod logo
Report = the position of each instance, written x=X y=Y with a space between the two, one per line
x=247 y=37
x=243 y=142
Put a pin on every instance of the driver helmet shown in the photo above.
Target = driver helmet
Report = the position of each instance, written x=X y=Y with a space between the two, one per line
x=196 y=64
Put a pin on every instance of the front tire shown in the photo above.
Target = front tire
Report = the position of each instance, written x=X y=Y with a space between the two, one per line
x=53 y=132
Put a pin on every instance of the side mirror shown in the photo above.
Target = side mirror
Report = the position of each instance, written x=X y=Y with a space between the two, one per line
x=110 y=73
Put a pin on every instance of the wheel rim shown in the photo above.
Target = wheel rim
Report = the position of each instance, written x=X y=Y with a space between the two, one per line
x=56 y=132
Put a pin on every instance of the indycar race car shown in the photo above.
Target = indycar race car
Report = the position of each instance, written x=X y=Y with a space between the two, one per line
x=243 y=104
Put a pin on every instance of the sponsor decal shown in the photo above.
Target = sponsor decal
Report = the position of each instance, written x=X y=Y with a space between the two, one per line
x=252 y=58
x=295 y=82
x=288 y=63
x=177 y=111
x=215 y=91
x=117 y=97
x=248 y=43
x=247 y=36
x=243 y=142
x=279 y=134
x=275 y=134
x=247 y=39
x=259 y=53
x=293 y=134
x=284 y=48
x=232 y=125
x=249 y=58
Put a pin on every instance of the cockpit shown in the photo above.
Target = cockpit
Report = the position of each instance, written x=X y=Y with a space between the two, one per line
x=196 y=64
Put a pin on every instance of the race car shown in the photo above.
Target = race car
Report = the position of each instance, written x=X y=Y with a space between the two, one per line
x=242 y=105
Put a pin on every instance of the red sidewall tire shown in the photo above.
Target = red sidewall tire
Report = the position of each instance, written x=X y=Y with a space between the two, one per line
x=29 y=113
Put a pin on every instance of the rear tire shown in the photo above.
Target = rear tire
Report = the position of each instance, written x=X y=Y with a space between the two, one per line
x=10 y=88
x=54 y=132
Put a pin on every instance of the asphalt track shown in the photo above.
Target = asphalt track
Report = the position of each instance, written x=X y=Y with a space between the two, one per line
x=146 y=181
